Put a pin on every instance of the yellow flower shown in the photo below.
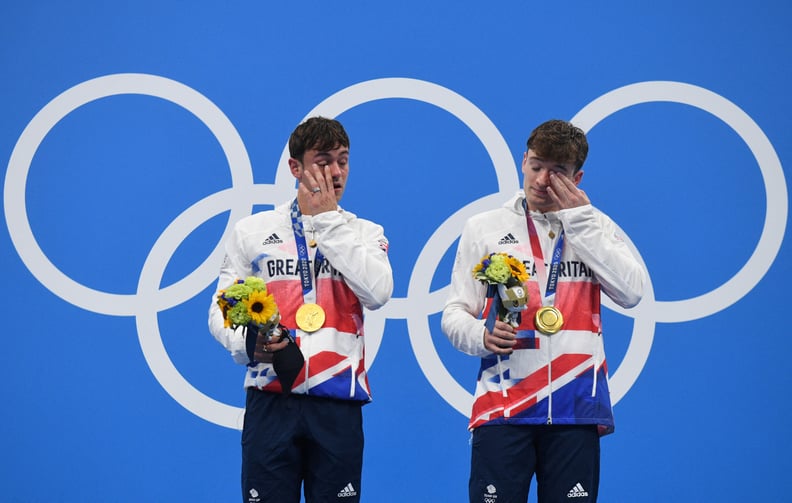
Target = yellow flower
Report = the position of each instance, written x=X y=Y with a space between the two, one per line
x=517 y=269
x=261 y=307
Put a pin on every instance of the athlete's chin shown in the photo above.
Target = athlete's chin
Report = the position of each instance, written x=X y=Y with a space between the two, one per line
x=540 y=203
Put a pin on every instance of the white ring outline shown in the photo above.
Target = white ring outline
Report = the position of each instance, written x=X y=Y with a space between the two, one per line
x=445 y=99
x=22 y=234
x=643 y=330
x=772 y=173
x=22 y=157
x=149 y=298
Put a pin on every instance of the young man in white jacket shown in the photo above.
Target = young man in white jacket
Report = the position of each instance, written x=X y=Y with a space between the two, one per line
x=323 y=266
x=542 y=398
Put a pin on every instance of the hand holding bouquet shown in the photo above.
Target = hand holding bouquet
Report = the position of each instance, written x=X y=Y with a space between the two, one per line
x=508 y=276
x=246 y=303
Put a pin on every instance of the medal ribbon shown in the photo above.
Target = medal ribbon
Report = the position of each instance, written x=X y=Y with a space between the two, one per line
x=547 y=282
x=303 y=260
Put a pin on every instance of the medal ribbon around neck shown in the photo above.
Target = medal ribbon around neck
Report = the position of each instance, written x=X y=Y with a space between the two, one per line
x=303 y=260
x=547 y=283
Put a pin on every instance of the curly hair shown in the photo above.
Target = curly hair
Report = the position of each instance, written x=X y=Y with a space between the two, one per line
x=559 y=141
x=318 y=133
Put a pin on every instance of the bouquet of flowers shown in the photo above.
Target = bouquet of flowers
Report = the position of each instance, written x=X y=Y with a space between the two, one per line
x=506 y=277
x=246 y=303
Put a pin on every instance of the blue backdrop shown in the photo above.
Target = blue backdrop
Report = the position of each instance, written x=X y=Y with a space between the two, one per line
x=134 y=133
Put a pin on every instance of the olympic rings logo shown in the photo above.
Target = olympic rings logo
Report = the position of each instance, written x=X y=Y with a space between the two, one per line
x=420 y=301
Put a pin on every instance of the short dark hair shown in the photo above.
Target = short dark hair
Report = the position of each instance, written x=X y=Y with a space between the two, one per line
x=559 y=141
x=318 y=133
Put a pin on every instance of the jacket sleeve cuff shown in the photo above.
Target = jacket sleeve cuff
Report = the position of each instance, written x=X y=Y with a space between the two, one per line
x=238 y=350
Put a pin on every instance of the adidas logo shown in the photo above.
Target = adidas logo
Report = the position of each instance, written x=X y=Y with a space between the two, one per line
x=577 y=492
x=273 y=239
x=508 y=239
x=347 y=491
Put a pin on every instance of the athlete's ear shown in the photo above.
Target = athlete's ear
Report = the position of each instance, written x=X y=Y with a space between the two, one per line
x=577 y=177
x=295 y=167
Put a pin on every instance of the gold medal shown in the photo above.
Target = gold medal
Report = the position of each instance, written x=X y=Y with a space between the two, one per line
x=312 y=243
x=548 y=320
x=310 y=317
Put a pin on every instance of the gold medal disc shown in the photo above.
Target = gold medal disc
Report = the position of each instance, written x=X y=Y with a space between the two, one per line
x=548 y=320
x=310 y=317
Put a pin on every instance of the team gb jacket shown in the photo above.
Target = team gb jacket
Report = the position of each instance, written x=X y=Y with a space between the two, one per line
x=355 y=274
x=555 y=379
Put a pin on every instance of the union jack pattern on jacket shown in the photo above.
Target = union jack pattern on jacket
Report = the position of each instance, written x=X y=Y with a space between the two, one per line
x=356 y=274
x=555 y=379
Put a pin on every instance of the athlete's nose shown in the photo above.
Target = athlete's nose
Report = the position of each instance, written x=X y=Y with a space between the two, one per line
x=335 y=169
x=544 y=177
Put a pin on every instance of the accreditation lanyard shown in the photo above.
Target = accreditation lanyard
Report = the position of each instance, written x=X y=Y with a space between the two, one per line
x=303 y=260
x=547 y=282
